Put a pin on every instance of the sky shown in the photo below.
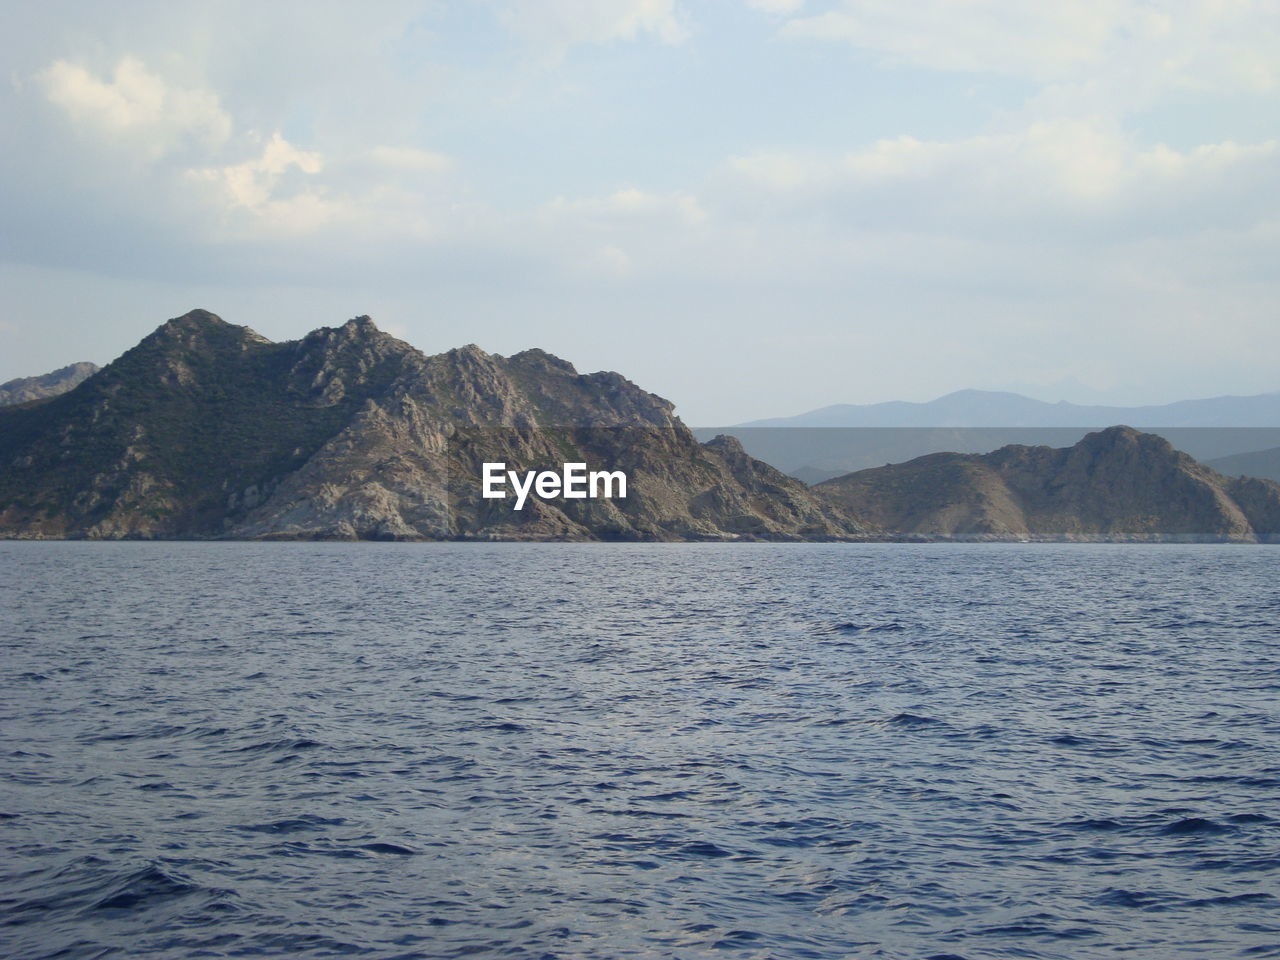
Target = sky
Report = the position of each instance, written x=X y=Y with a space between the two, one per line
x=751 y=207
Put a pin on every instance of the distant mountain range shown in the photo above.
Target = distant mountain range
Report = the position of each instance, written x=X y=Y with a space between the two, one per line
x=814 y=454
x=986 y=408
x=26 y=389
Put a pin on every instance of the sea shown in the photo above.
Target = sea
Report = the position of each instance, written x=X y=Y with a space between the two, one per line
x=916 y=751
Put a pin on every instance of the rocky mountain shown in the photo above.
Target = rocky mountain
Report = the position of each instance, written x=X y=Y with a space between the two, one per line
x=26 y=389
x=209 y=430
x=987 y=408
x=1115 y=484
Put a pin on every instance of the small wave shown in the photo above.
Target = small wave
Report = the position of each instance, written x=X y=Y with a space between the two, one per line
x=163 y=731
x=1067 y=740
x=506 y=727
x=1229 y=901
x=1191 y=826
x=704 y=848
x=293 y=824
x=1249 y=818
x=913 y=720
x=734 y=939
x=1135 y=899
x=1098 y=824
x=393 y=848
x=274 y=746
x=88 y=887
x=892 y=626
x=146 y=887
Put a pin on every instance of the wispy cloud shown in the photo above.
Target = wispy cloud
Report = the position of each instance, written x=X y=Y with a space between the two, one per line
x=1131 y=51
x=556 y=26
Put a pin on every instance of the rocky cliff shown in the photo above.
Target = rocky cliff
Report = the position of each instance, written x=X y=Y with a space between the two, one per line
x=1115 y=484
x=26 y=389
x=209 y=430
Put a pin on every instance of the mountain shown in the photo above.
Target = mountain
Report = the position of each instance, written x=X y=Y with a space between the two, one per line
x=1115 y=484
x=814 y=454
x=209 y=430
x=984 y=408
x=26 y=389
x=1256 y=463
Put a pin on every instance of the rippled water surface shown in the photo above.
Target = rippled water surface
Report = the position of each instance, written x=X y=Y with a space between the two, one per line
x=832 y=751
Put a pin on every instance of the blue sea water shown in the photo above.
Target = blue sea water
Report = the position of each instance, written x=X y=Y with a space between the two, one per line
x=590 y=750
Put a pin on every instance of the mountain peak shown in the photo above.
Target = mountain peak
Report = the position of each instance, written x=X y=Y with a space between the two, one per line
x=197 y=317
x=26 y=389
x=1114 y=484
x=971 y=393
x=1119 y=432
x=537 y=357
x=468 y=351
x=1122 y=435
x=200 y=327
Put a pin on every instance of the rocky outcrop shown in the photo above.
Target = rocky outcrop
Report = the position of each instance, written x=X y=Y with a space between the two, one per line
x=1115 y=484
x=209 y=430
x=26 y=389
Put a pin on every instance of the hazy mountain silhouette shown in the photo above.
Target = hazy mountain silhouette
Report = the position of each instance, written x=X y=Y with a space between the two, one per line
x=986 y=408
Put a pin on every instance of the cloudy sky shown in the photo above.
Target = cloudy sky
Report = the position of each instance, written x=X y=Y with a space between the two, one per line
x=752 y=207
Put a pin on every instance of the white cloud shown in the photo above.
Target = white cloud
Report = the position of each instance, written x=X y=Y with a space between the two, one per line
x=1128 y=48
x=1050 y=172
x=252 y=185
x=136 y=103
x=223 y=184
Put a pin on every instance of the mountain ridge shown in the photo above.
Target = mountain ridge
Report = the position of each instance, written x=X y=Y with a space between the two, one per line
x=206 y=429
x=1115 y=484
x=988 y=408
x=46 y=385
